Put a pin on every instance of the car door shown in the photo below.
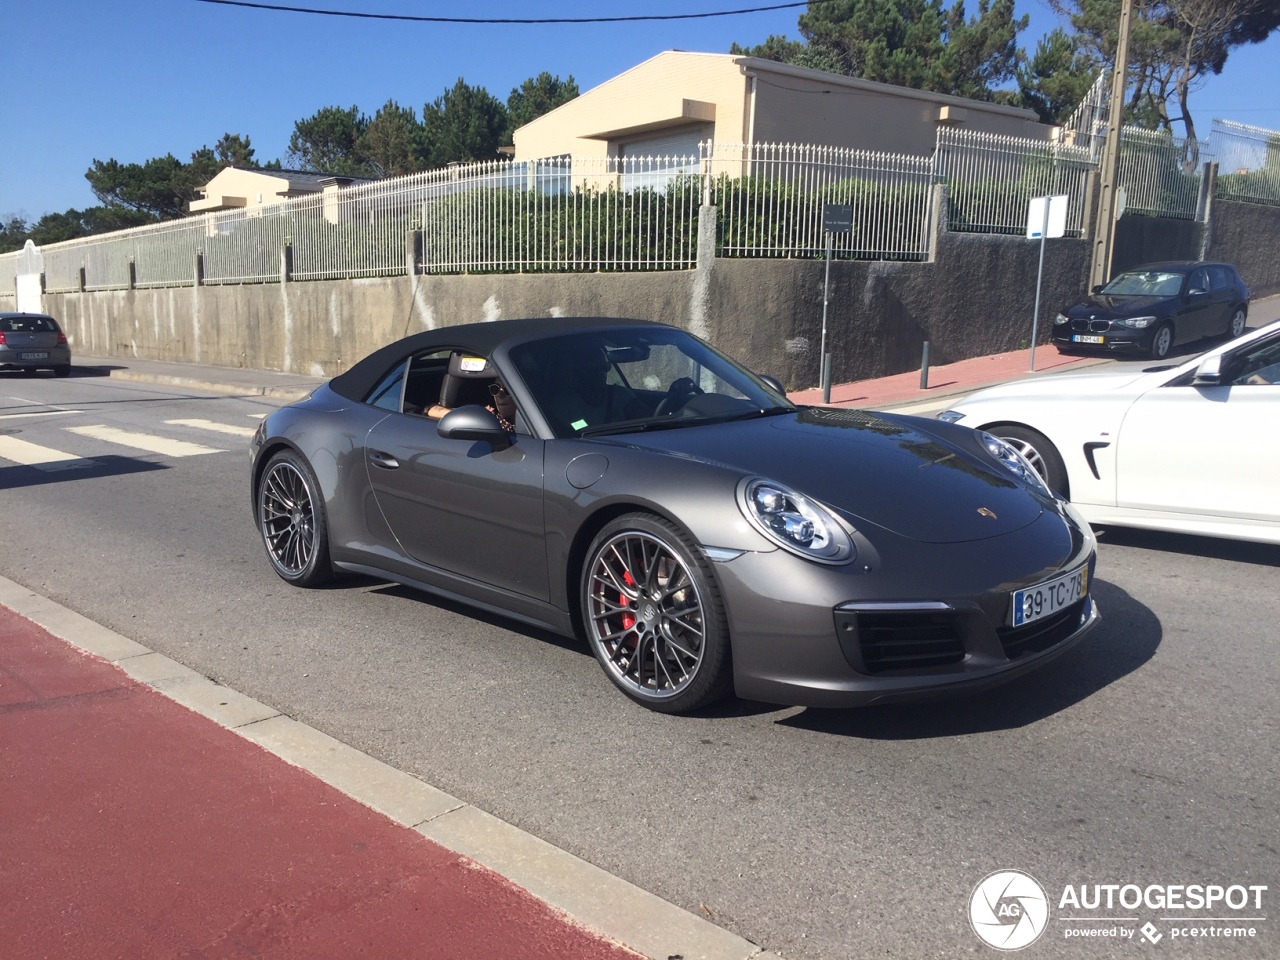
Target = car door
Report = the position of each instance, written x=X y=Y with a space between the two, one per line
x=461 y=506
x=1196 y=317
x=1206 y=450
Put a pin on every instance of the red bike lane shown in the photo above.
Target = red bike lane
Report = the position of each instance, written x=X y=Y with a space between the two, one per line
x=132 y=827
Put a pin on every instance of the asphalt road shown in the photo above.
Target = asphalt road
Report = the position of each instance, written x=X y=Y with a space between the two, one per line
x=1145 y=756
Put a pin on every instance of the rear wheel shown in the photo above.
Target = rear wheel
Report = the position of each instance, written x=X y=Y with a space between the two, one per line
x=1039 y=451
x=1161 y=341
x=1236 y=327
x=654 y=616
x=292 y=521
x=62 y=371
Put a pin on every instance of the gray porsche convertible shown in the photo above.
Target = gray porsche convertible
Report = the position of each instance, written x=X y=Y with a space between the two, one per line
x=624 y=482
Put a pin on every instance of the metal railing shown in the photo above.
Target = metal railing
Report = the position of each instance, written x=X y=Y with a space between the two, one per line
x=1161 y=173
x=991 y=179
x=1248 y=162
x=770 y=197
x=562 y=214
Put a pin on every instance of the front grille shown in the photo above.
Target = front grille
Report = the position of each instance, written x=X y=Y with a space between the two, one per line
x=1043 y=634
x=903 y=640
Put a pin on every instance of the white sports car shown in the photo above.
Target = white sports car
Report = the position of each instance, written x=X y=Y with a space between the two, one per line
x=1193 y=448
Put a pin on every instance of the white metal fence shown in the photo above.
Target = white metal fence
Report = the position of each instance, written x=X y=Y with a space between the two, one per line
x=1248 y=162
x=769 y=200
x=992 y=177
x=1160 y=173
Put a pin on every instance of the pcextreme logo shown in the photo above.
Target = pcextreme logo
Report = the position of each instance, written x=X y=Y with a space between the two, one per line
x=1009 y=910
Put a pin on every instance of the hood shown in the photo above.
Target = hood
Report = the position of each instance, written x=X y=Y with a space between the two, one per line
x=875 y=469
x=1105 y=308
x=1067 y=386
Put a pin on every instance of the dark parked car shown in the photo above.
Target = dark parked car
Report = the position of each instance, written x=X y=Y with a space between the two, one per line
x=1147 y=310
x=33 y=341
x=623 y=482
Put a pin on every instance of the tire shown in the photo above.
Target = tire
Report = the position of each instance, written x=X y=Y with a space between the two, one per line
x=1040 y=451
x=62 y=371
x=1161 y=341
x=291 y=519
x=1238 y=320
x=654 y=617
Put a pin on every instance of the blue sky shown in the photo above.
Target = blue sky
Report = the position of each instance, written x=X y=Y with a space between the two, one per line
x=135 y=79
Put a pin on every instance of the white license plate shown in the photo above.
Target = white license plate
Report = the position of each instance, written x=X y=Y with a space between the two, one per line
x=34 y=356
x=1081 y=338
x=1046 y=599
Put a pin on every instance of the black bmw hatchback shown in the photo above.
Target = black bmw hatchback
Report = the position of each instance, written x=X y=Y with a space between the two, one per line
x=1147 y=310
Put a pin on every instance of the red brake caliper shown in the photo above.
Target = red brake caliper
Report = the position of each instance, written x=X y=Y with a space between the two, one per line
x=628 y=619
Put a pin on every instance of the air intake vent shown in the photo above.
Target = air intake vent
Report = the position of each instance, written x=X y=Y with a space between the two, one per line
x=902 y=640
x=1043 y=634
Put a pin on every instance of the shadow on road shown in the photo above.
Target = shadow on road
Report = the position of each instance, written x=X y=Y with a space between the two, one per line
x=1126 y=639
x=1239 y=551
x=13 y=477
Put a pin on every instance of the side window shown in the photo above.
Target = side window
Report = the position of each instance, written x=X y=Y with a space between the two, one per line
x=1199 y=280
x=1218 y=278
x=1258 y=367
x=426 y=374
x=387 y=394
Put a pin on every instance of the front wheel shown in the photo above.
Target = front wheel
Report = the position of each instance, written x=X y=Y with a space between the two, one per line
x=1161 y=341
x=654 y=616
x=1040 y=453
x=292 y=521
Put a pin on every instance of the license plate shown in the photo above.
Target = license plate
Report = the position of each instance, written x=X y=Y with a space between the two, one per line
x=34 y=356
x=1046 y=599
x=1081 y=338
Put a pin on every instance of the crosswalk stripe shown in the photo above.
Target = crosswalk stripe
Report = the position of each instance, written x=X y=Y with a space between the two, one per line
x=33 y=455
x=215 y=427
x=43 y=413
x=144 y=441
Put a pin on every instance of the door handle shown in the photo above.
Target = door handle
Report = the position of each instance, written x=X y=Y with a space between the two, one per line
x=384 y=460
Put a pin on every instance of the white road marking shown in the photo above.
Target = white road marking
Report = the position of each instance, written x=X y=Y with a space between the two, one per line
x=47 y=413
x=256 y=416
x=144 y=441
x=216 y=427
x=33 y=455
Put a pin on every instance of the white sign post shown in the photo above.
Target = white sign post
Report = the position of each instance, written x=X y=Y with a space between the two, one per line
x=1046 y=217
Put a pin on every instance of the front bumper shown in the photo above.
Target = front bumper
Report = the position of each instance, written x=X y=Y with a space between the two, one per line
x=797 y=641
x=1114 y=341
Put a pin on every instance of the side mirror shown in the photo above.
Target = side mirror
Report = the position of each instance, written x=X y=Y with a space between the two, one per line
x=773 y=382
x=1097 y=288
x=1209 y=373
x=1197 y=292
x=473 y=423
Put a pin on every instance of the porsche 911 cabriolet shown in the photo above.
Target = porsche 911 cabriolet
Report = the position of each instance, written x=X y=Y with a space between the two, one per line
x=623 y=482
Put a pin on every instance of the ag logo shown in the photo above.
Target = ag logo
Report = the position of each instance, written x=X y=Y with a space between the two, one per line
x=1008 y=910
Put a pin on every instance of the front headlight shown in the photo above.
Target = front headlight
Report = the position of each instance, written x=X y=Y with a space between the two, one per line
x=1137 y=323
x=1014 y=462
x=794 y=522
x=1061 y=319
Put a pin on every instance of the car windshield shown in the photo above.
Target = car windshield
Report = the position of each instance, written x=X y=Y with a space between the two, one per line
x=1145 y=283
x=631 y=378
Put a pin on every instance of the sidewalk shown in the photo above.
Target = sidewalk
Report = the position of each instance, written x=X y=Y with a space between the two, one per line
x=150 y=813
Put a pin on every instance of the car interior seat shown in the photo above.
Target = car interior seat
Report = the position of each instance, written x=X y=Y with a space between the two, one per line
x=466 y=382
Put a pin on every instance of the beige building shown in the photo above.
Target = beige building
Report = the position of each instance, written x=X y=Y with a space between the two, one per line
x=666 y=105
x=236 y=188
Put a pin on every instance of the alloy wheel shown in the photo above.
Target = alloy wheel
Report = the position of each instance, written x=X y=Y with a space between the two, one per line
x=646 y=619
x=287 y=516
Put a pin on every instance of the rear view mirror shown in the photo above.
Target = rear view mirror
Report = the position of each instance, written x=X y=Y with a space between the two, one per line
x=636 y=354
x=1209 y=373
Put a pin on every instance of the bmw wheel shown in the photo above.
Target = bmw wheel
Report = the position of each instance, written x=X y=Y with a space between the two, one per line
x=1237 y=323
x=654 y=616
x=292 y=521
x=1040 y=453
x=1161 y=341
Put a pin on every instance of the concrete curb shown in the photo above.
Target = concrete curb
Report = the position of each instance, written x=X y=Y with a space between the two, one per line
x=286 y=394
x=590 y=896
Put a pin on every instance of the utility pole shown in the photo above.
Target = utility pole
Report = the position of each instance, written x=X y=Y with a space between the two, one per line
x=1104 y=231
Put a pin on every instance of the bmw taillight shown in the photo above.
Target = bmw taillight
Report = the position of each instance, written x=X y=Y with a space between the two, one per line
x=62 y=339
x=2 y=340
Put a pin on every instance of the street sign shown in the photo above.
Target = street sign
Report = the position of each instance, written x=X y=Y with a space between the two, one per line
x=1040 y=226
x=837 y=217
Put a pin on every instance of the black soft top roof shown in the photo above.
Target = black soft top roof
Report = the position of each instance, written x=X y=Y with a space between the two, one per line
x=478 y=338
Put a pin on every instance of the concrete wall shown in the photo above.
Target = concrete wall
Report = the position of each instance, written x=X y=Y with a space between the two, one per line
x=1248 y=235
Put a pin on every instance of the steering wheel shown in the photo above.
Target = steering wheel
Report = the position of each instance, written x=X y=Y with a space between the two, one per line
x=678 y=394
